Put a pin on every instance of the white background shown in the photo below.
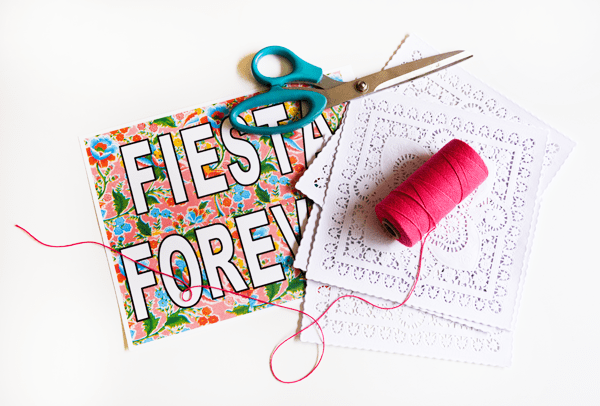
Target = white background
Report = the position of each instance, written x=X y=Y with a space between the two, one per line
x=72 y=68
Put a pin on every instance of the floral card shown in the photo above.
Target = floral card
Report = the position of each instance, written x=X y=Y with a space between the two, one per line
x=191 y=197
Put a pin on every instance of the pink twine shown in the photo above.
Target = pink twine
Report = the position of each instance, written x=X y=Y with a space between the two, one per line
x=415 y=207
x=315 y=320
x=411 y=212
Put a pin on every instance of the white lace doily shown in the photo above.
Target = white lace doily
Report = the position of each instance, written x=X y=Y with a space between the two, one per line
x=353 y=323
x=451 y=87
x=353 y=330
x=473 y=260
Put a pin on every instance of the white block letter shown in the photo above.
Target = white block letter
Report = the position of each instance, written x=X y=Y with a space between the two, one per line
x=222 y=259
x=198 y=159
x=271 y=116
x=254 y=247
x=245 y=149
x=173 y=171
x=136 y=177
x=170 y=245
x=138 y=280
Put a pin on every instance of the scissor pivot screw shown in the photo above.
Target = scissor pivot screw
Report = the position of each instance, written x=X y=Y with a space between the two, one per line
x=361 y=86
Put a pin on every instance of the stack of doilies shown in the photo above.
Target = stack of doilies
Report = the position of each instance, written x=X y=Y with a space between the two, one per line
x=474 y=263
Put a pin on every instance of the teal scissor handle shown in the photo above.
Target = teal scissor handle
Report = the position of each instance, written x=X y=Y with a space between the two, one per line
x=302 y=71
x=316 y=101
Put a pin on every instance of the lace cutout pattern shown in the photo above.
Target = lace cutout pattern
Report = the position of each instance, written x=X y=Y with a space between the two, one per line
x=354 y=323
x=473 y=262
x=455 y=88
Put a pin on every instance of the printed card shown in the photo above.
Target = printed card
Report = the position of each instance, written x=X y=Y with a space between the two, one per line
x=192 y=198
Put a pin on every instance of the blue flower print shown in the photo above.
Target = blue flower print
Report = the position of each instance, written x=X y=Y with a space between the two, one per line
x=216 y=114
x=240 y=193
x=156 y=213
x=273 y=180
x=193 y=218
x=163 y=303
x=103 y=147
x=180 y=264
x=260 y=232
x=121 y=226
x=286 y=261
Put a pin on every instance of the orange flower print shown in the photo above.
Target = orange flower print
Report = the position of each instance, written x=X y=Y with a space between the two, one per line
x=102 y=150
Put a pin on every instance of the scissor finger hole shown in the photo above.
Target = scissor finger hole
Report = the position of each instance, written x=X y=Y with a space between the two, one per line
x=274 y=66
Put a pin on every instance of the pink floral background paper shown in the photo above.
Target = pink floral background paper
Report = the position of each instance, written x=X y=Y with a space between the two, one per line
x=123 y=227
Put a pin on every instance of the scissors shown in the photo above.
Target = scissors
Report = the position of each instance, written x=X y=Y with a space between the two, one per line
x=325 y=92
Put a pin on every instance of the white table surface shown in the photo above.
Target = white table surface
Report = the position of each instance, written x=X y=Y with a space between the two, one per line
x=72 y=68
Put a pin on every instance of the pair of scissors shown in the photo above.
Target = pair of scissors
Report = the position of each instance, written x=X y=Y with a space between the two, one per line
x=325 y=92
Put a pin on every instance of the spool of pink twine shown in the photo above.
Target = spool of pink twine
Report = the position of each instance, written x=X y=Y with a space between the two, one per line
x=415 y=207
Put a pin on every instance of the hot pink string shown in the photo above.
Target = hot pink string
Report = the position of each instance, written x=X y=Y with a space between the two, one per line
x=315 y=321
x=416 y=206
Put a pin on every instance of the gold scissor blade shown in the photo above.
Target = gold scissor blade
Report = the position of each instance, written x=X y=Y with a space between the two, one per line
x=393 y=76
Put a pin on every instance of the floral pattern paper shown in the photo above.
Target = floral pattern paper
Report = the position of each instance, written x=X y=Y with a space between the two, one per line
x=272 y=193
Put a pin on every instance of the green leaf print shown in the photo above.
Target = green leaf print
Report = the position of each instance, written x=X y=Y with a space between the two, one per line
x=144 y=228
x=120 y=200
x=272 y=290
x=266 y=167
x=239 y=310
x=262 y=194
x=175 y=320
x=165 y=122
x=190 y=235
x=150 y=323
x=296 y=284
x=159 y=173
x=152 y=200
x=266 y=139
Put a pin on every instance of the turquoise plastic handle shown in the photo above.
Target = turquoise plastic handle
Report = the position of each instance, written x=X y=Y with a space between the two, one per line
x=302 y=71
x=316 y=101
